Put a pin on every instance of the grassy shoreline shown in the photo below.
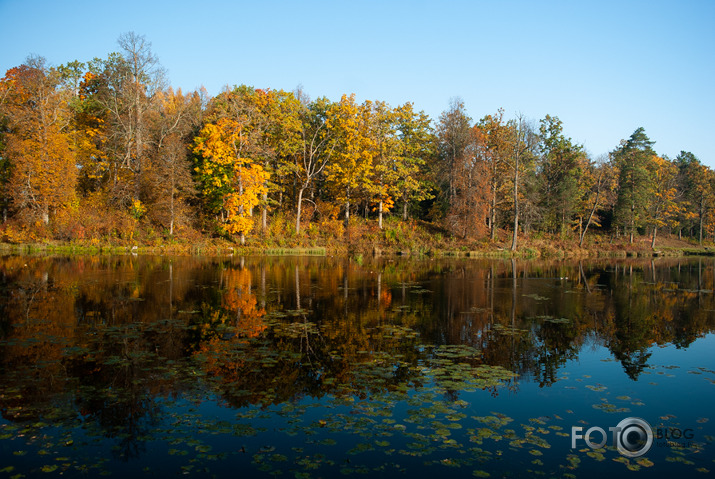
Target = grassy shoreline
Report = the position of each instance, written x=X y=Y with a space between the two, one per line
x=541 y=249
x=363 y=238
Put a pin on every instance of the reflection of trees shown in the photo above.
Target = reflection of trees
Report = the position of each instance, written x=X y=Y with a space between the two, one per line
x=532 y=317
x=125 y=412
x=107 y=337
x=240 y=302
x=319 y=342
x=499 y=318
x=634 y=323
x=656 y=305
x=88 y=340
x=38 y=325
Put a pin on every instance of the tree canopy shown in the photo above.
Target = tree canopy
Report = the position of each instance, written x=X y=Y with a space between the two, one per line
x=99 y=150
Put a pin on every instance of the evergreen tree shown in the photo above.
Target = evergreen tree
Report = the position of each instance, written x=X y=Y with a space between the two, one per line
x=559 y=171
x=632 y=159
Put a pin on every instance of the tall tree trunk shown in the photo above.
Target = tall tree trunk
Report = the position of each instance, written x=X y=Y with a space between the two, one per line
x=701 y=214
x=590 y=217
x=652 y=243
x=240 y=208
x=379 y=215
x=347 y=214
x=493 y=212
x=633 y=220
x=264 y=213
x=404 y=211
x=171 y=209
x=452 y=189
x=139 y=151
x=264 y=206
x=516 y=205
x=516 y=230
x=300 y=206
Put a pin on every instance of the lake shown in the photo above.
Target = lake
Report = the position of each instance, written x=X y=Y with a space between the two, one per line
x=155 y=366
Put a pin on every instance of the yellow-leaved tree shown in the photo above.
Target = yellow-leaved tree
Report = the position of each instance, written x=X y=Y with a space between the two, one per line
x=232 y=184
x=386 y=153
x=352 y=158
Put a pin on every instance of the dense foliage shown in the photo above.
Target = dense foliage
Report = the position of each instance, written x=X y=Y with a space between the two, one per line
x=98 y=151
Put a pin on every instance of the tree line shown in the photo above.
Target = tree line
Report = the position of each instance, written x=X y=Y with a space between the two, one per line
x=92 y=150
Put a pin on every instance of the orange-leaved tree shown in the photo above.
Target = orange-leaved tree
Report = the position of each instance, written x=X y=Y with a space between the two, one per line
x=664 y=209
x=37 y=143
x=469 y=206
x=494 y=137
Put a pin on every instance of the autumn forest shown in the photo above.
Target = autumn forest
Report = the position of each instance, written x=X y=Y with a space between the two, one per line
x=105 y=152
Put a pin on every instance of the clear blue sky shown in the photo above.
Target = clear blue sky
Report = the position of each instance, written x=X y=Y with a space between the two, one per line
x=603 y=67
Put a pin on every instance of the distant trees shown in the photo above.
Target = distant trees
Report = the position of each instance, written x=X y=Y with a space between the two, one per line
x=462 y=171
x=387 y=151
x=280 y=143
x=378 y=155
x=502 y=171
x=108 y=142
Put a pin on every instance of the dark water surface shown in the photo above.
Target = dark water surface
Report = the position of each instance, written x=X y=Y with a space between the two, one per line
x=321 y=367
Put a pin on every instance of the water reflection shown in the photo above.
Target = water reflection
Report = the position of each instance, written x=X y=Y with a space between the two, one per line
x=526 y=316
x=105 y=341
